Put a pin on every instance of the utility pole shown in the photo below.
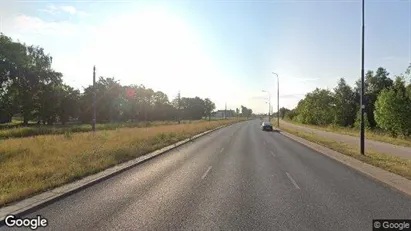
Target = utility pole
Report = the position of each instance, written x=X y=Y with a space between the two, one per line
x=269 y=107
x=362 y=106
x=94 y=100
x=278 y=99
x=225 y=111
x=179 y=107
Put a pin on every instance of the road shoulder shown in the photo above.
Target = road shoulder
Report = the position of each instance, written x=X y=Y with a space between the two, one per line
x=395 y=181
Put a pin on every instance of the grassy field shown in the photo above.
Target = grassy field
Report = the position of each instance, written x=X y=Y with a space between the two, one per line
x=35 y=130
x=388 y=162
x=35 y=164
x=371 y=135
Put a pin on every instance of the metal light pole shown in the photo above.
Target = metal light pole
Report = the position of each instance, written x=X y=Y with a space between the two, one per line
x=269 y=103
x=93 y=125
x=362 y=106
x=278 y=99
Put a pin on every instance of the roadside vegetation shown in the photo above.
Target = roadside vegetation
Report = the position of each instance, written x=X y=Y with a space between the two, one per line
x=388 y=162
x=377 y=135
x=27 y=131
x=35 y=164
x=30 y=89
x=387 y=108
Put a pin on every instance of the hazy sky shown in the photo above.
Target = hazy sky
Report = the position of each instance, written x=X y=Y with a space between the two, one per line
x=224 y=50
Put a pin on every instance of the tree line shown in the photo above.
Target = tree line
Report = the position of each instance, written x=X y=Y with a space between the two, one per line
x=387 y=104
x=30 y=88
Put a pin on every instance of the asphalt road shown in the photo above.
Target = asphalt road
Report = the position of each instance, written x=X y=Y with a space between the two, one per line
x=238 y=178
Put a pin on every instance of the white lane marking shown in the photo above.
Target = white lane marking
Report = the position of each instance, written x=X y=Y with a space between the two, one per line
x=221 y=150
x=272 y=153
x=205 y=174
x=292 y=180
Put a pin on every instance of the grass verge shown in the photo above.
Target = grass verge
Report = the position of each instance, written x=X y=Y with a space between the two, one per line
x=388 y=162
x=20 y=131
x=36 y=164
x=371 y=135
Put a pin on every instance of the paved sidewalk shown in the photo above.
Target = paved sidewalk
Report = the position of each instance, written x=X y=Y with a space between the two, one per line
x=376 y=146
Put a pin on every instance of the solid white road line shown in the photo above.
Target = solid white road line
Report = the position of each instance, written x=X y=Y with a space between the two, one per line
x=221 y=150
x=272 y=153
x=292 y=180
x=205 y=174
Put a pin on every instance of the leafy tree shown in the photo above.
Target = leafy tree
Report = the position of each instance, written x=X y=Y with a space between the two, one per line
x=375 y=84
x=345 y=104
x=283 y=112
x=68 y=106
x=317 y=108
x=393 y=109
x=209 y=107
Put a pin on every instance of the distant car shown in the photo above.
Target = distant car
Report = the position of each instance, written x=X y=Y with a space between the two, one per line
x=266 y=126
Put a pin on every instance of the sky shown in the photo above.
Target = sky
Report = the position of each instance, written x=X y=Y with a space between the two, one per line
x=225 y=50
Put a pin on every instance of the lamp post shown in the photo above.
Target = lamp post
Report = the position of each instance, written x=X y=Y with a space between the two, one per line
x=269 y=103
x=362 y=106
x=278 y=99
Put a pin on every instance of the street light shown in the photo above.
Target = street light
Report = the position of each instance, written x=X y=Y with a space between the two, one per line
x=269 y=103
x=362 y=106
x=278 y=99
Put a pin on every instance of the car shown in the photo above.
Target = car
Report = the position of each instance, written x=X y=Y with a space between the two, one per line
x=266 y=126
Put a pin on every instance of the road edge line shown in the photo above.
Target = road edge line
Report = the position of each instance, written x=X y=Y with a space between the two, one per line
x=393 y=180
x=25 y=206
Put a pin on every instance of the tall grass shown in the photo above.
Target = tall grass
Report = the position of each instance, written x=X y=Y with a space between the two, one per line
x=20 y=132
x=34 y=164
x=377 y=135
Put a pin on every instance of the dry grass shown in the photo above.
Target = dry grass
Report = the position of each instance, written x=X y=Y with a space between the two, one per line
x=35 y=164
x=371 y=135
x=36 y=130
x=388 y=162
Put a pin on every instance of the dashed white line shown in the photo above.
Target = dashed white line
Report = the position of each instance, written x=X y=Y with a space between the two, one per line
x=221 y=150
x=292 y=180
x=272 y=153
x=205 y=174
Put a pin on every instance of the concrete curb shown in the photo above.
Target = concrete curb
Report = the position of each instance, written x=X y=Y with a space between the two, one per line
x=27 y=205
x=395 y=181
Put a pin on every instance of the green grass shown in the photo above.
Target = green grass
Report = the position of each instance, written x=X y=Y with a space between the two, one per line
x=35 y=130
x=35 y=164
x=371 y=135
x=388 y=162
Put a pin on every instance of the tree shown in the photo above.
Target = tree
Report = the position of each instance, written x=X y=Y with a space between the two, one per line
x=108 y=98
x=375 y=84
x=393 y=109
x=317 y=108
x=345 y=104
x=68 y=106
x=283 y=112
x=209 y=107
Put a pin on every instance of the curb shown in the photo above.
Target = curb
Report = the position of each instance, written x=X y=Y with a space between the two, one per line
x=27 y=205
x=395 y=181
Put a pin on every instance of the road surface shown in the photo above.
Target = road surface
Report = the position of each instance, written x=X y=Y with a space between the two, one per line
x=238 y=178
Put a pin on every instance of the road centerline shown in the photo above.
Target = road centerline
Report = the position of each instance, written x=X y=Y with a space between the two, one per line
x=206 y=172
x=292 y=180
